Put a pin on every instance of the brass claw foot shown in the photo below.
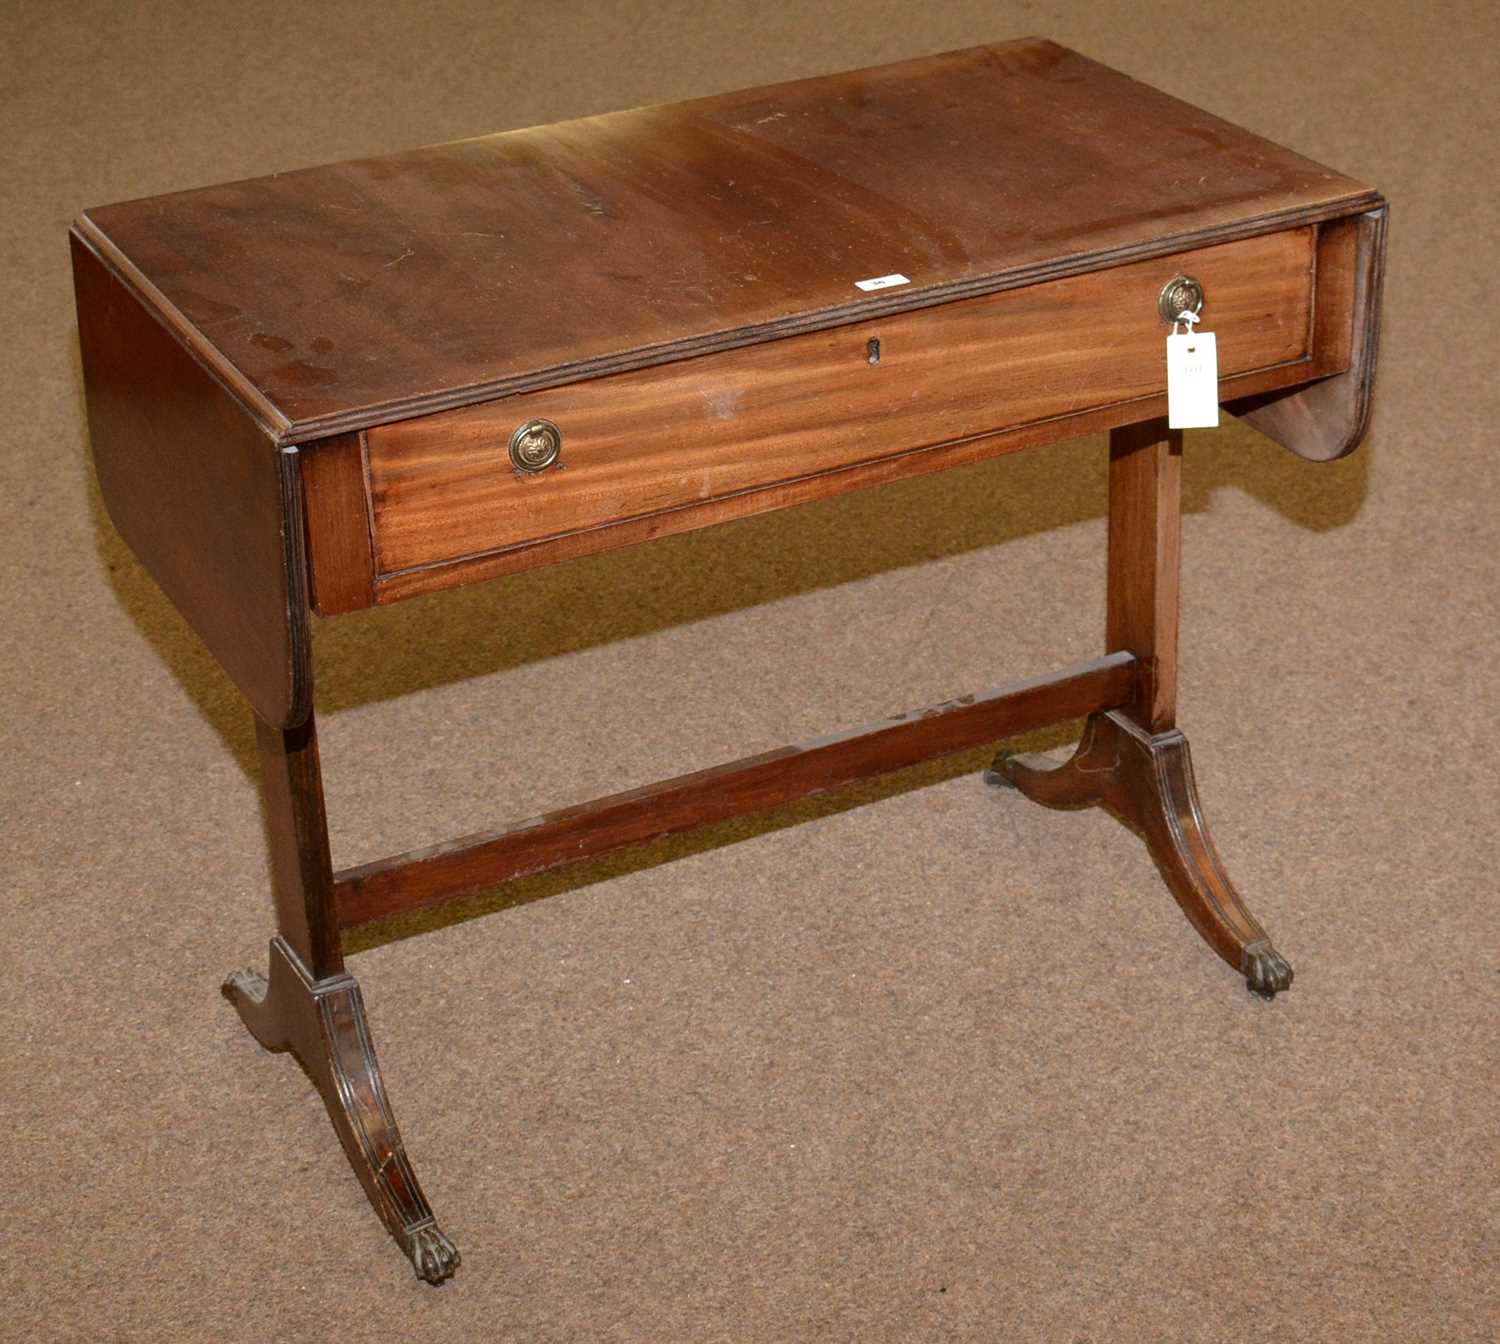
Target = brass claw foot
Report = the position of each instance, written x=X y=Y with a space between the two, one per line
x=323 y=1023
x=433 y=1256
x=1147 y=778
x=1266 y=970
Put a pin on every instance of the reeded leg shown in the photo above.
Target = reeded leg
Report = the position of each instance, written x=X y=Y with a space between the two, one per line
x=322 y=1022
x=311 y=1006
x=1155 y=792
x=1147 y=778
x=1133 y=759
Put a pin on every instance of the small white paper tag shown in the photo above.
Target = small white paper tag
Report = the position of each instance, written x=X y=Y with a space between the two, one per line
x=882 y=282
x=1193 y=380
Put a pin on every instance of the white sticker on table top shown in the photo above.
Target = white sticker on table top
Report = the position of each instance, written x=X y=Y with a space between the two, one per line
x=882 y=282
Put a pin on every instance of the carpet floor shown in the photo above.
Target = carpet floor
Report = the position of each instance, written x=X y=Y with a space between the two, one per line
x=920 y=1061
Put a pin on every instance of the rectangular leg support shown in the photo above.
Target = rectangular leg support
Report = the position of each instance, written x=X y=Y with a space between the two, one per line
x=428 y=877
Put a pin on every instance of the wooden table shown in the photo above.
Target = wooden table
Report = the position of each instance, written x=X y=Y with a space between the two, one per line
x=343 y=386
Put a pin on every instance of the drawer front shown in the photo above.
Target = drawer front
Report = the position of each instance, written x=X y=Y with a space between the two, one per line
x=443 y=487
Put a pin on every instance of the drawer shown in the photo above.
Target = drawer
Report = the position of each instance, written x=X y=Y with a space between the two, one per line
x=442 y=487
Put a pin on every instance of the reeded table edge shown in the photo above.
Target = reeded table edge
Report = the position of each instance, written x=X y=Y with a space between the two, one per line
x=284 y=432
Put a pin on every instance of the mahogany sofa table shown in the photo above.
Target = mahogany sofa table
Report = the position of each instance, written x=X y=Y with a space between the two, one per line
x=343 y=386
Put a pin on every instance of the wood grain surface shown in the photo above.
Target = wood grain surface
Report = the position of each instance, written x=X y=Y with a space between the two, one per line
x=296 y=821
x=1144 y=571
x=862 y=475
x=341 y=557
x=340 y=297
x=207 y=503
x=635 y=443
x=1327 y=418
x=471 y=863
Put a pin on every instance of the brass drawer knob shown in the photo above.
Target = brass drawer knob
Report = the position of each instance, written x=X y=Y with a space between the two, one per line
x=535 y=446
x=1181 y=294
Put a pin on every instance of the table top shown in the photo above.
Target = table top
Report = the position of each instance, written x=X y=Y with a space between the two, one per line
x=340 y=297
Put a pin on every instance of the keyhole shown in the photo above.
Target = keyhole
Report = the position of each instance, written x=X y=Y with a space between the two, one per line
x=872 y=350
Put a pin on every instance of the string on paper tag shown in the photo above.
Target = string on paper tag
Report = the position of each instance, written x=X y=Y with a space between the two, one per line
x=1192 y=376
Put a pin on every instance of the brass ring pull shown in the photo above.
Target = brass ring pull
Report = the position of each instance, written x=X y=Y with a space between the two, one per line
x=1181 y=294
x=535 y=446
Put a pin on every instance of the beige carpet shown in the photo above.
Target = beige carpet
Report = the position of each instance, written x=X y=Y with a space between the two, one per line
x=947 y=1066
